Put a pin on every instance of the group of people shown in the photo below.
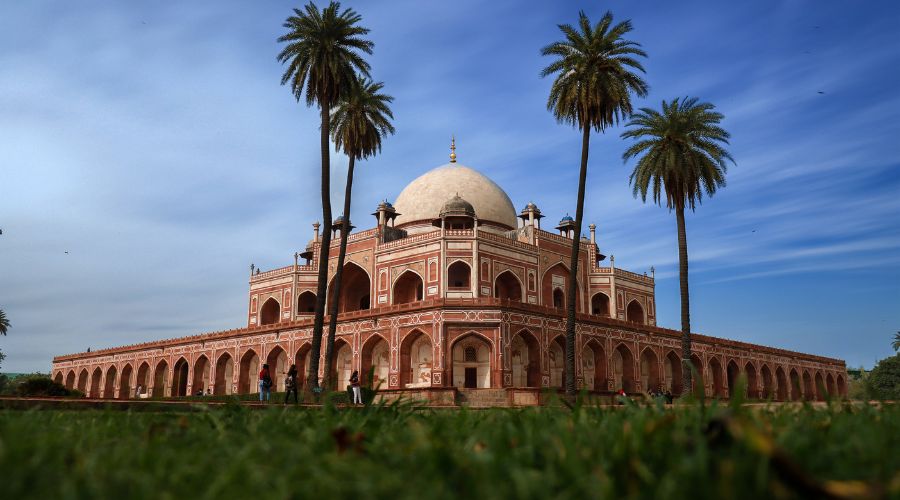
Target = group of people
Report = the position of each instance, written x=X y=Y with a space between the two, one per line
x=659 y=393
x=290 y=385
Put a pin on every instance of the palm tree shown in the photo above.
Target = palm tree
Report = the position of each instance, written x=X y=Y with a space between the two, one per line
x=681 y=153
x=323 y=54
x=895 y=344
x=4 y=323
x=359 y=122
x=595 y=76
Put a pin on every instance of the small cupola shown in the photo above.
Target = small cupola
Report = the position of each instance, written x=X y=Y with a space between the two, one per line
x=456 y=213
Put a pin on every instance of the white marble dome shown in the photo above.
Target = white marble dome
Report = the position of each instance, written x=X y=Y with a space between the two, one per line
x=423 y=198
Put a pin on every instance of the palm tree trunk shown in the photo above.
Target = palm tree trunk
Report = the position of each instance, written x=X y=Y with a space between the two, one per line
x=324 y=248
x=573 y=276
x=336 y=284
x=686 y=376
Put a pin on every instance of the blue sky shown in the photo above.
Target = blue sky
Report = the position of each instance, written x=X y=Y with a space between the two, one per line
x=154 y=144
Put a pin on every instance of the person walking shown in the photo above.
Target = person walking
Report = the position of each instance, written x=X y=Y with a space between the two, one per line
x=354 y=383
x=265 y=383
x=290 y=384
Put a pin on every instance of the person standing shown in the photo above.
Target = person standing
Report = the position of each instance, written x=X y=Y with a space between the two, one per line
x=354 y=383
x=265 y=383
x=290 y=384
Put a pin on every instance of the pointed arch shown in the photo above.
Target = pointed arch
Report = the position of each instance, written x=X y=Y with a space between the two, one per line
x=125 y=381
x=829 y=386
x=83 y=381
x=270 y=312
x=58 y=378
x=649 y=370
x=781 y=385
x=698 y=375
x=180 y=378
x=796 y=388
x=301 y=361
x=96 y=377
x=508 y=287
x=600 y=304
x=525 y=359
x=342 y=364
x=622 y=368
x=201 y=382
x=820 y=390
x=459 y=275
x=416 y=360
x=306 y=303
x=109 y=385
x=142 y=384
x=809 y=391
x=224 y=375
x=70 y=380
x=593 y=361
x=768 y=390
x=160 y=375
x=356 y=285
x=277 y=360
x=408 y=287
x=471 y=357
x=841 y=386
x=375 y=366
x=715 y=371
x=750 y=371
x=555 y=278
x=634 y=313
x=732 y=372
x=556 y=358
x=674 y=372
x=248 y=373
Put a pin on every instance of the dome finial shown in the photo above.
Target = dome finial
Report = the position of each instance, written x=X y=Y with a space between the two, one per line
x=452 y=149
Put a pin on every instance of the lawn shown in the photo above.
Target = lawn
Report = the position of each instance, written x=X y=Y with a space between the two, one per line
x=397 y=451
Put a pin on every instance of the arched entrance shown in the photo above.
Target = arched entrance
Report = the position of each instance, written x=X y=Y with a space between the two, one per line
x=635 y=312
x=829 y=386
x=95 y=382
x=416 y=360
x=593 y=366
x=109 y=387
x=556 y=356
x=674 y=375
x=278 y=367
x=557 y=278
x=841 y=386
x=70 y=380
x=600 y=304
x=408 y=288
x=781 y=385
x=355 y=288
x=201 y=375
x=820 y=387
x=508 y=287
x=796 y=389
x=559 y=298
x=715 y=370
x=142 y=384
x=83 y=381
x=750 y=370
x=125 y=382
x=808 y=389
x=224 y=375
x=525 y=360
x=649 y=370
x=697 y=375
x=343 y=363
x=270 y=312
x=180 y=378
x=376 y=360
x=732 y=372
x=472 y=362
x=459 y=276
x=248 y=375
x=58 y=378
x=306 y=303
x=623 y=369
x=301 y=361
x=159 y=379
x=768 y=387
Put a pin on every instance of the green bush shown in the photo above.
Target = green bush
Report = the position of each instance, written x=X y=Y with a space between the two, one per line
x=42 y=386
x=883 y=382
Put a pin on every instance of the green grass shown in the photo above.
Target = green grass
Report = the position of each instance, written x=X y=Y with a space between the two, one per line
x=399 y=452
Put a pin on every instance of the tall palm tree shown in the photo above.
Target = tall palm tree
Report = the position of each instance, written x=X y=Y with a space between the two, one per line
x=681 y=153
x=360 y=121
x=895 y=344
x=596 y=74
x=323 y=52
x=4 y=323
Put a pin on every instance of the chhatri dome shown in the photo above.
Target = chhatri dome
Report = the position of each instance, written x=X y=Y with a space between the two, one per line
x=422 y=200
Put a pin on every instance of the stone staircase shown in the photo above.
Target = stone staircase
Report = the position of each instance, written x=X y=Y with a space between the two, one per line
x=482 y=398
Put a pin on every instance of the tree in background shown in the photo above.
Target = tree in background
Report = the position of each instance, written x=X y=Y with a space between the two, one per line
x=883 y=381
x=595 y=70
x=360 y=121
x=4 y=327
x=896 y=343
x=680 y=154
x=323 y=54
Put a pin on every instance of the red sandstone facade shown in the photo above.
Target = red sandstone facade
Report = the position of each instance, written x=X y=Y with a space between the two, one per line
x=449 y=303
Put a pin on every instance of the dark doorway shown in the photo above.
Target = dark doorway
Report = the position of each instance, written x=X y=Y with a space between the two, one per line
x=471 y=381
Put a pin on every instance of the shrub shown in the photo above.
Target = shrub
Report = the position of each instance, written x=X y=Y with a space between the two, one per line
x=883 y=381
x=41 y=385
